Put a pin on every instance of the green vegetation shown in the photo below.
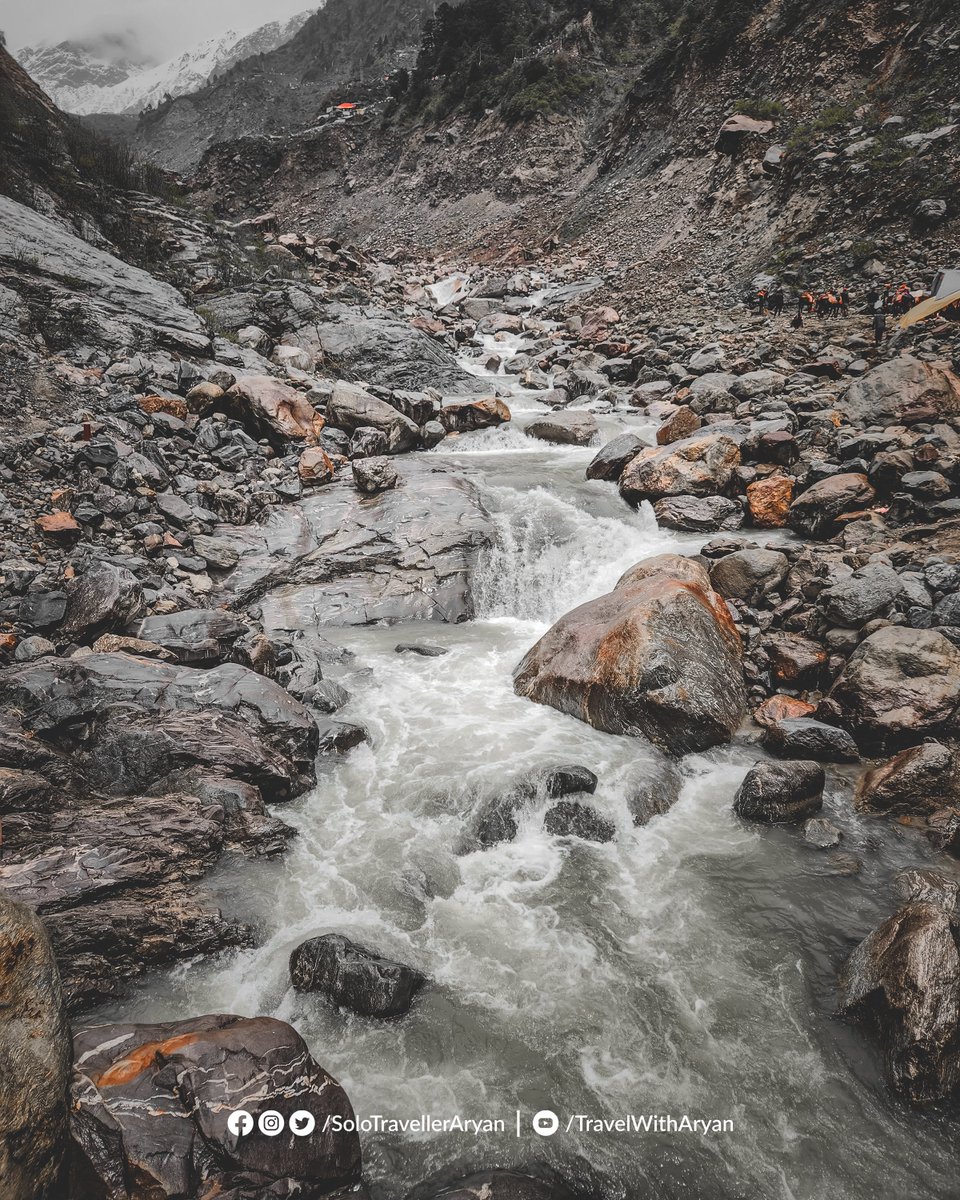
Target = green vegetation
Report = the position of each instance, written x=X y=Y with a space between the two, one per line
x=762 y=110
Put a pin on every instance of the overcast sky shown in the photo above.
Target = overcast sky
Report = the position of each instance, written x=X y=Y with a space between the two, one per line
x=160 y=28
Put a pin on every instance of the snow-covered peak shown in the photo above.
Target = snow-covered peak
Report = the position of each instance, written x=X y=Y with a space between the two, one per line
x=80 y=82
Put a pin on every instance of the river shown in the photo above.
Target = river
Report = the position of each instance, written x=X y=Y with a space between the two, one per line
x=687 y=967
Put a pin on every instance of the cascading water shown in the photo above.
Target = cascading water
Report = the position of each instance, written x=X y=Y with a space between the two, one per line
x=687 y=967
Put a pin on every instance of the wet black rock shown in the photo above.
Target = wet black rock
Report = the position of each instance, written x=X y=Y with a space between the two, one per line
x=780 y=792
x=803 y=737
x=354 y=977
x=424 y=649
x=570 y=818
x=152 y=1102
x=696 y=514
x=903 y=983
x=102 y=597
x=609 y=462
x=497 y=818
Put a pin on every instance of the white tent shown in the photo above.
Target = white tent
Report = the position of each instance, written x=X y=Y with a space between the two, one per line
x=944 y=293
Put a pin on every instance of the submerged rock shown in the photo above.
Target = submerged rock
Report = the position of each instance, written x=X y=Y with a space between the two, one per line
x=571 y=428
x=657 y=657
x=496 y=1185
x=570 y=818
x=354 y=977
x=152 y=1103
x=903 y=983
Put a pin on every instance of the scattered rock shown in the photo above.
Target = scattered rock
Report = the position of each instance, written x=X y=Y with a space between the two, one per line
x=780 y=792
x=354 y=977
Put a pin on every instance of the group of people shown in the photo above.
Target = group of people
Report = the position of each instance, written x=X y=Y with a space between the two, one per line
x=881 y=302
x=831 y=303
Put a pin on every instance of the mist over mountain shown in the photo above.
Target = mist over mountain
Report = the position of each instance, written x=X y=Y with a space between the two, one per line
x=110 y=74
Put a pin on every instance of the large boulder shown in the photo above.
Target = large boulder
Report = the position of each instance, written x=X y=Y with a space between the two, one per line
x=780 y=792
x=354 y=977
x=917 y=780
x=657 y=657
x=133 y=720
x=152 y=1106
x=902 y=387
x=35 y=1059
x=701 y=465
x=273 y=410
x=351 y=408
x=464 y=414
x=104 y=596
x=609 y=461
x=899 y=686
x=903 y=983
x=816 y=511
x=575 y=427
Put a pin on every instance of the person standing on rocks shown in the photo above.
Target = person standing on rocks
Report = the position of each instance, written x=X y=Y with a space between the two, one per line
x=776 y=302
x=879 y=325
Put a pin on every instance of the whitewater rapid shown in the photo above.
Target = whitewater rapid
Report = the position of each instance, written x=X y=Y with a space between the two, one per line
x=685 y=968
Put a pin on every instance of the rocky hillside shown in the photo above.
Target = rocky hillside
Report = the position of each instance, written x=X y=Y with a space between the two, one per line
x=356 y=41
x=839 y=138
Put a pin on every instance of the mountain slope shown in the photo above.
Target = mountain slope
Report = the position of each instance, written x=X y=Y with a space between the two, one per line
x=79 y=82
x=286 y=89
x=491 y=149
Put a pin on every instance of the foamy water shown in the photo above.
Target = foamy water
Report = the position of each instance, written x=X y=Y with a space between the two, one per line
x=685 y=967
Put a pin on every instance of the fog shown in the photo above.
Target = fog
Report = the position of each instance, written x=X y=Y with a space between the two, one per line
x=140 y=30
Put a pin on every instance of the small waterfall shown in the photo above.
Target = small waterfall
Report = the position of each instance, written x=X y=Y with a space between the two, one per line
x=550 y=555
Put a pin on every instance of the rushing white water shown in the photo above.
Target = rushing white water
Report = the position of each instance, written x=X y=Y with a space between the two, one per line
x=685 y=968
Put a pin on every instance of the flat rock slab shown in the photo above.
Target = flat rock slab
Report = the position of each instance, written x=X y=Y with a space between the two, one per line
x=339 y=558
x=123 y=296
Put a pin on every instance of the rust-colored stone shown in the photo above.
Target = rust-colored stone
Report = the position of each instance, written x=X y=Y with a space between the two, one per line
x=769 y=501
x=781 y=708
x=173 y=406
x=58 y=526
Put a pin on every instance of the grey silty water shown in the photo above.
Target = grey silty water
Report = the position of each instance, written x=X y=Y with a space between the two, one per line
x=685 y=968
